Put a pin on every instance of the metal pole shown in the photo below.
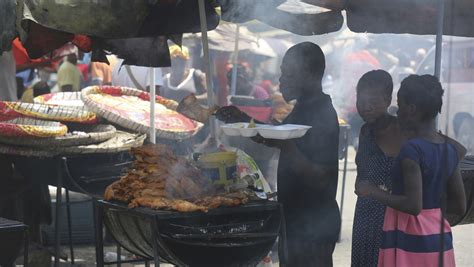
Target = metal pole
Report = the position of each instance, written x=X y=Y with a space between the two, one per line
x=152 y=105
x=233 y=84
x=439 y=38
x=439 y=43
x=439 y=48
x=344 y=174
x=207 y=64
x=57 y=224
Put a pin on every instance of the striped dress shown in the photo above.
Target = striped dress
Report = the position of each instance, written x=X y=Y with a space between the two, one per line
x=415 y=240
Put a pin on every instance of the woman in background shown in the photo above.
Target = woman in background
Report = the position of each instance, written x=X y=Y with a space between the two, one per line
x=379 y=143
x=425 y=173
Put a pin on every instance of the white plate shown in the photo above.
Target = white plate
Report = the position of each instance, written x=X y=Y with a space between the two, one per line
x=281 y=132
x=285 y=131
x=232 y=129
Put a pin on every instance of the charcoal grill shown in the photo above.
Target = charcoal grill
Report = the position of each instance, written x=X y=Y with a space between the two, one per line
x=237 y=236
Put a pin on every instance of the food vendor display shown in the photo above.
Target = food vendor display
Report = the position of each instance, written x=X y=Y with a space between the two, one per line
x=130 y=108
x=161 y=180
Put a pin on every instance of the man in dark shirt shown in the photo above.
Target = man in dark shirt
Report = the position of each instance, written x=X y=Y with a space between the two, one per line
x=308 y=166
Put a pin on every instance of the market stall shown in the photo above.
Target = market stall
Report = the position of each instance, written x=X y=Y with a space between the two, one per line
x=44 y=141
x=181 y=225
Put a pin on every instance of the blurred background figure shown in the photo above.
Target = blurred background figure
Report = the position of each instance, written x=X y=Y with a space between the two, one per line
x=183 y=80
x=40 y=88
x=101 y=73
x=245 y=85
x=135 y=77
x=69 y=76
x=8 y=83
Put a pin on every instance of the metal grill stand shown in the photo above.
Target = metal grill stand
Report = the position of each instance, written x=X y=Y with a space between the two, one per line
x=222 y=237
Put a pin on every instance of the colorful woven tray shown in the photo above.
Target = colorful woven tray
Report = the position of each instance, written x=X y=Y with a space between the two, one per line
x=78 y=135
x=33 y=128
x=14 y=110
x=122 y=141
x=130 y=108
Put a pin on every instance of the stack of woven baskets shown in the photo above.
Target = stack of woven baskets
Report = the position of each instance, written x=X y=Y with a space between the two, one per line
x=83 y=122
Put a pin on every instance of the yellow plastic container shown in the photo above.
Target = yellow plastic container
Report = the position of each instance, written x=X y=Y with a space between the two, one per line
x=220 y=167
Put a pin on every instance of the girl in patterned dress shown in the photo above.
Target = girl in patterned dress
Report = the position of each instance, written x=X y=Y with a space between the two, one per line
x=425 y=170
x=379 y=143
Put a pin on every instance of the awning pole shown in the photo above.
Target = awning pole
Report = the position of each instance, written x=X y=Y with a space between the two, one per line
x=439 y=38
x=152 y=105
x=207 y=64
x=235 y=63
x=439 y=43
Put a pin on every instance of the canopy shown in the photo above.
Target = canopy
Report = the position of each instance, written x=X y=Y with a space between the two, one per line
x=134 y=30
x=310 y=17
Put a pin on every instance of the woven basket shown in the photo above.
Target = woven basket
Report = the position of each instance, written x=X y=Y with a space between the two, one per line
x=122 y=141
x=80 y=135
x=129 y=108
x=68 y=99
x=31 y=128
x=13 y=110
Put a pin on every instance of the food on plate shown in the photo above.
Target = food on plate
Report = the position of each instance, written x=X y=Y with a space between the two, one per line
x=159 y=179
x=342 y=121
x=252 y=124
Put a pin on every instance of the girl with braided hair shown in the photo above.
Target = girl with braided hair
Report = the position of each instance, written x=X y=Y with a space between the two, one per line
x=425 y=171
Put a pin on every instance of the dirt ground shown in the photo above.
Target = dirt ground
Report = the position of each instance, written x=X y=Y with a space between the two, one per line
x=463 y=235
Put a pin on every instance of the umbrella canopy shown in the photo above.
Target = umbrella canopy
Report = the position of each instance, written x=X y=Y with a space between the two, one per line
x=410 y=16
x=310 y=17
x=135 y=30
x=223 y=38
x=293 y=16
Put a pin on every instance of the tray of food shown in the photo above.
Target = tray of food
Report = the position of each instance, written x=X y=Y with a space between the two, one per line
x=282 y=132
x=130 y=108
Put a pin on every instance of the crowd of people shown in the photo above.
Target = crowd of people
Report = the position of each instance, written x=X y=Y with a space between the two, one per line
x=408 y=177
